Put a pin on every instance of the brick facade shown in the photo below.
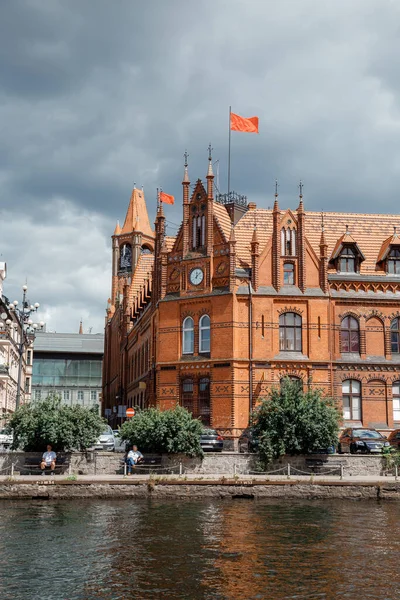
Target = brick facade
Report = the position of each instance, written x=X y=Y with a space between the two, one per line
x=287 y=293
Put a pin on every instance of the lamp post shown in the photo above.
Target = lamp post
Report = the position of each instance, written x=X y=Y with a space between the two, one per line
x=28 y=330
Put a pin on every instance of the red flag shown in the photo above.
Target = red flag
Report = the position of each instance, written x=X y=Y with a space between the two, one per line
x=248 y=125
x=166 y=198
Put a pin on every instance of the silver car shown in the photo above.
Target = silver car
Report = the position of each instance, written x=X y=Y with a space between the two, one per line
x=106 y=440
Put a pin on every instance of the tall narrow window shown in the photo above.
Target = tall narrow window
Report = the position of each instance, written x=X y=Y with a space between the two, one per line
x=394 y=261
x=262 y=326
x=396 y=401
x=283 y=237
x=347 y=261
x=188 y=336
x=125 y=258
x=288 y=274
x=350 y=335
x=204 y=334
x=187 y=394
x=395 y=335
x=204 y=400
x=319 y=327
x=290 y=332
x=351 y=396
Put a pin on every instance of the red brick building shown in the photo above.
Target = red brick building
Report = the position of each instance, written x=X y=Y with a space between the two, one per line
x=243 y=296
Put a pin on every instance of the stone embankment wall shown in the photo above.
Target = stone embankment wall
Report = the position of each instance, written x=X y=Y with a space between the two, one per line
x=226 y=463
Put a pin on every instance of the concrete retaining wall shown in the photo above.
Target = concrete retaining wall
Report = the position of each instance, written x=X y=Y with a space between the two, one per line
x=107 y=463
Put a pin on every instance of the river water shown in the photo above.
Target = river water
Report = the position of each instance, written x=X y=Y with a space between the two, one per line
x=225 y=550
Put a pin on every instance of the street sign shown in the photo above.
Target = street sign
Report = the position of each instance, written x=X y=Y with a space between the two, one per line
x=130 y=412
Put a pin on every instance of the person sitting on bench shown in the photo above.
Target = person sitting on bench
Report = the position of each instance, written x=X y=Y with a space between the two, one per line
x=48 y=460
x=134 y=457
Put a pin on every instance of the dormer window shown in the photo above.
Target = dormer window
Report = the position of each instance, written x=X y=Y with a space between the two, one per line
x=347 y=260
x=393 y=261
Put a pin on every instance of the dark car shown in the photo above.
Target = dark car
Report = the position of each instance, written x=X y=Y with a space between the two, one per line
x=211 y=441
x=248 y=441
x=394 y=439
x=363 y=440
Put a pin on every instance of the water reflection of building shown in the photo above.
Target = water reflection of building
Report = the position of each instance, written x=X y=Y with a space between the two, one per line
x=69 y=364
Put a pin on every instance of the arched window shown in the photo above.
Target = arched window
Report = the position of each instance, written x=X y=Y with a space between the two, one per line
x=204 y=334
x=347 y=260
x=290 y=332
x=294 y=379
x=393 y=265
x=396 y=401
x=188 y=336
x=351 y=397
x=288 y=242
x=198 y=231
x=395 y=335
x=288 y=274
x=350 y=335
x=125 y=257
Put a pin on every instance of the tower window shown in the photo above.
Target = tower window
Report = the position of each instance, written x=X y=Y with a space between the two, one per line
x=188 y=336
x=288 y=242
x=288 y=274
x=125 y=257
x=198 y=231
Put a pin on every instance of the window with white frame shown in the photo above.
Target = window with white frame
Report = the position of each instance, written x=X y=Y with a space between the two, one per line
x=66 y=395
x=396 y=401
x=38 y=394
x=188 y=336
x=80 y=395
x=351 y=397
x=93 y=395
x=204 y=334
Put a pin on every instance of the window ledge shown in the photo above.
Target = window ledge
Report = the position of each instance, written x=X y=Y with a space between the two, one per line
x=288 y=355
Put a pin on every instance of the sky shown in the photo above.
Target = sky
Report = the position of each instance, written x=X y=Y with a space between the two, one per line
x=98 y=94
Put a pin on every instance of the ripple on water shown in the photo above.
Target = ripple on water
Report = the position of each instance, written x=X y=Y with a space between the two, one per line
x=216 y=550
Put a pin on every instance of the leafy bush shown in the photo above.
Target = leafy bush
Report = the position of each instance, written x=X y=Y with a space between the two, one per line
x=172 y=431
x=291 y=421
x=50 y=422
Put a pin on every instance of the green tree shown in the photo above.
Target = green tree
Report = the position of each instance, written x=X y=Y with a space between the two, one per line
x=49 y=422
x=291 y=421
x=172 y=431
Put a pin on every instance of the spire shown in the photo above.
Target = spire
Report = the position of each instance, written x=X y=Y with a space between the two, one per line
x=276 y=205
x=117 y=229
x=300 y=207
x=80 y=328
x=210 y=174
x=185 y=172
x=136 y=215
x=254 y=239
x=322 y=242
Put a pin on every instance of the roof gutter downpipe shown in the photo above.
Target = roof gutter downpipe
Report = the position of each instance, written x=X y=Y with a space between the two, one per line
x=250 y=351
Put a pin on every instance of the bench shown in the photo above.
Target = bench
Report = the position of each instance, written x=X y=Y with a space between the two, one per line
x=149 y=464
x=32 y=465
x=316 y=465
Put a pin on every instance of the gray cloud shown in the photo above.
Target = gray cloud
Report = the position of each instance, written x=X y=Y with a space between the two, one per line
x=95 y=95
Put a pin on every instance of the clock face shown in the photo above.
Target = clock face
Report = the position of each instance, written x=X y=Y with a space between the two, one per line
x=196 y=276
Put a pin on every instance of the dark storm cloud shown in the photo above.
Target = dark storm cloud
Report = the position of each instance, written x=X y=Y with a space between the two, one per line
x=95 y=95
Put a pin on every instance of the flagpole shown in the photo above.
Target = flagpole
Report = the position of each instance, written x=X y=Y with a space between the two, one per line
x=229 y=154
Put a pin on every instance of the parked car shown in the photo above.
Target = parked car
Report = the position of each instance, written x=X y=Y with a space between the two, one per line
x=6 y=439
x=106 y=440
x=248 y=442
x=120 y=446
x=363 y=440
x=211 y=440
x=394 y=439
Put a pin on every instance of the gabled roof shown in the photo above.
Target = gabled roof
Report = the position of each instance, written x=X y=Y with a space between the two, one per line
x=143 y=271
x=244 y=229
x=393 y=240
x=346 y=239
x=223 y=219
x=137 y=218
